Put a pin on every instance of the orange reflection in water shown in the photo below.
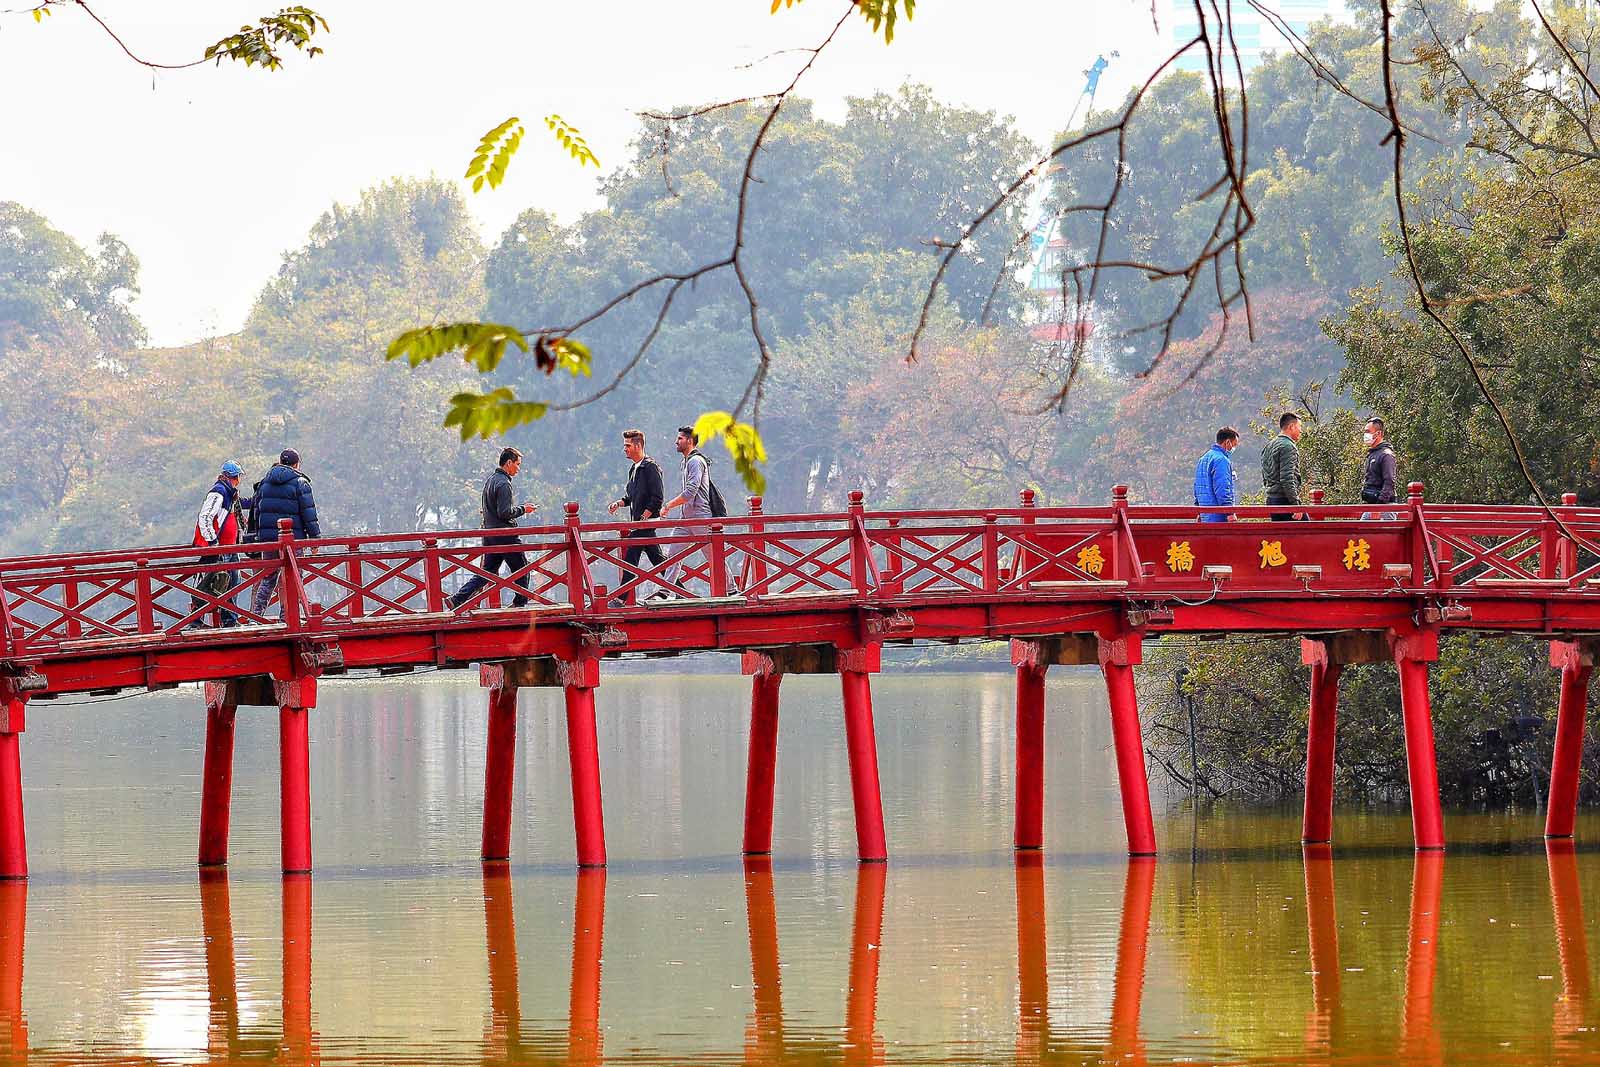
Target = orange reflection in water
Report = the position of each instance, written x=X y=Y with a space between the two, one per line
x=1322 y=935
x=299 y=1039
x=588 y=935
x=500 y=936
x=1133 y=944
x=763 y=1039
x=1572 y=940
x=1419 y=1034
x=13 y=926
x=222 y=974
x=1033 y=965
x=866 y=941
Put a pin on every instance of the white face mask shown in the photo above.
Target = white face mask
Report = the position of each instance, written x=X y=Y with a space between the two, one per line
x=1369 y=439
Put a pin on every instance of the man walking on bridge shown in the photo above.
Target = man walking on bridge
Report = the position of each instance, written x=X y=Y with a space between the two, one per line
x=500 y=511
x=1214 y=481
x=643 y=500
x=1280 y=467
x=284 y=493
x=695 y=498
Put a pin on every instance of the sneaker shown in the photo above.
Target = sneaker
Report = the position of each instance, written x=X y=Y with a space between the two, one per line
x=662 y=594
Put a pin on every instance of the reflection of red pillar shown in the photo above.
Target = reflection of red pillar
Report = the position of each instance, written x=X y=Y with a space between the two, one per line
x=579 y=679
x=1033 y=964
x=1427 y=822
x=584 y=1036
x=1576 y=663
x=13 y=833
x=1118 y=656
x=862 y=747
x=1133 y=944
x=1317 y=825
x=1572 y=940
x=216 y=777
x=295 y=698
x=222 y=981
x=866 y=943
x=1030 y=756
x=764 y=1037
x=761 y=775
x=500 y=936
x=1322 y=934
x=298 y=1036
x=13 y=924
x=1419 y=1037
x=499 y=774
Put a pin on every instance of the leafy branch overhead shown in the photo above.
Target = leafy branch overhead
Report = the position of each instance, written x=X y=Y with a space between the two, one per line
x=258 y=45
x=742 y=442
x=494 y=153
x=881 y=15
x=483 y=345
x=567 y=134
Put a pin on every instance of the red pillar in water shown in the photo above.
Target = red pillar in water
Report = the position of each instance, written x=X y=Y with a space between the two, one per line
x=761 y=776
x=1412 y=654
x=1317 y=823
x=1030 y=752
x=578 y=679
x=295 y=699
x=500 y=764
x=216 y=779
x=855 y=665
x=13 y=833
x=13 y=927
x=1117 y=659
x=1576 y=661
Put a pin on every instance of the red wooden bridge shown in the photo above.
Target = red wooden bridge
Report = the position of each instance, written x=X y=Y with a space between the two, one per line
x=808 y=594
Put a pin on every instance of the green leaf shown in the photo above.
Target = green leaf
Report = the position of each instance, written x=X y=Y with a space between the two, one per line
x=494 y=153
x=482 y=344
x=743 y=443
x=259 y=44
x=490 y=414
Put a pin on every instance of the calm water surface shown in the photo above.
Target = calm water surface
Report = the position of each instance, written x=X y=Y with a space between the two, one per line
x=1231 y=947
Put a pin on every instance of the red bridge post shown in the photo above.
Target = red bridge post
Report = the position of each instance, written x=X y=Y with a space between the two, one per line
x=13 y=832
x=579 y=677
x=1118 y=656
x=1321 y=725
x=1412 y=654
x=1031 y=668
x=216 y=779
x=762 y=771
x=856 y=667
x=1575 y=659
x=500 y=765
x=296 y=697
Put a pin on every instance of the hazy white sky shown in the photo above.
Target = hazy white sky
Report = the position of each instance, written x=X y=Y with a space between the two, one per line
x=210 y=174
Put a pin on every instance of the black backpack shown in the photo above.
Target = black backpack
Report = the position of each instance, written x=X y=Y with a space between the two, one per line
x=719 y=507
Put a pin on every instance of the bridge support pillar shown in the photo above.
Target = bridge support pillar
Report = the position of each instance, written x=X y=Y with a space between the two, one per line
x=1032 y=657
x=216 y=778
x=579 y=678
x=499 y=773
x=13 y=833
x=1321 y=726
x=1412 y=654
x=296 y=697
x=762 y=772
x=1118 y=656
x=1575 y=659
x=856 y=667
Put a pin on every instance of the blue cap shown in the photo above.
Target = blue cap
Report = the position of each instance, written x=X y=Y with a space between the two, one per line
x=232 y=469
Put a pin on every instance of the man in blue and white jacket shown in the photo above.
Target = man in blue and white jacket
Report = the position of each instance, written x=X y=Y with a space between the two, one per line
x=1214 y=480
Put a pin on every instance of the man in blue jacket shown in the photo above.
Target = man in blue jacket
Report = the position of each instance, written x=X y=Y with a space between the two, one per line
x=284 y=493
x=1214 y=481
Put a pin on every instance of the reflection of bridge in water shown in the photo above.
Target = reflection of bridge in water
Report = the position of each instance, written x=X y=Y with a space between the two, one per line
x=809 y=594
x=769 y=1037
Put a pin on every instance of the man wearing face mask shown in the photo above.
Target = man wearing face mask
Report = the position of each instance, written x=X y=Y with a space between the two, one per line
x=1378 y=485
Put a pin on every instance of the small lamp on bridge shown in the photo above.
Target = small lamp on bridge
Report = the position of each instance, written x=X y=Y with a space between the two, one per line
x=1306 y=573
x=1398 y=573
x=1216 y=574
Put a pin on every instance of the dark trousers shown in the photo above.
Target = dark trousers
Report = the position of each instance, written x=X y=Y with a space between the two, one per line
x=1282 y=516
x=492 y=563
x=650 y=549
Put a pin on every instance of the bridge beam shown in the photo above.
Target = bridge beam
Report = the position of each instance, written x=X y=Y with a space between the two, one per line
x=1575 y=660
x=13 y=833
x=216 y=777
x=1118 y=656
x=296 y=697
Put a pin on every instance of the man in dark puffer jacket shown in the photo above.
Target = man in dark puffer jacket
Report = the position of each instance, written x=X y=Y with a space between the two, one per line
x=284 y=493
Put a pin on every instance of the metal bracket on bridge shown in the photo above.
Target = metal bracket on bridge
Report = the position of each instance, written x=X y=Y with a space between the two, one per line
x=318 y=657
x=20 y=679
x=1447 y=611
x=598 y=640
x=1142 y=613
x=885 y=624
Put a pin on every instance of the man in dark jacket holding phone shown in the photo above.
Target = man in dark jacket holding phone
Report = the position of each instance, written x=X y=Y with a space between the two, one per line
x=284 y=493
x=500 y=511
x=1377 y=485
x=643 y=499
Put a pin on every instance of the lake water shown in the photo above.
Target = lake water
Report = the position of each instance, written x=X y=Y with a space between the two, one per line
x=1232 y=946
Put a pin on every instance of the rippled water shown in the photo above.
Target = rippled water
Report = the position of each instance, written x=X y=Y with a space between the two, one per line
x=1232 y=946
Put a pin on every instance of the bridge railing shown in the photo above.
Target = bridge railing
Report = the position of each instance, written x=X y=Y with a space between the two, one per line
x=58 y=603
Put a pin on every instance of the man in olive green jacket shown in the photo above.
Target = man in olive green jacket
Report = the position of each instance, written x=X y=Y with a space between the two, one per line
x=1280 y=466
